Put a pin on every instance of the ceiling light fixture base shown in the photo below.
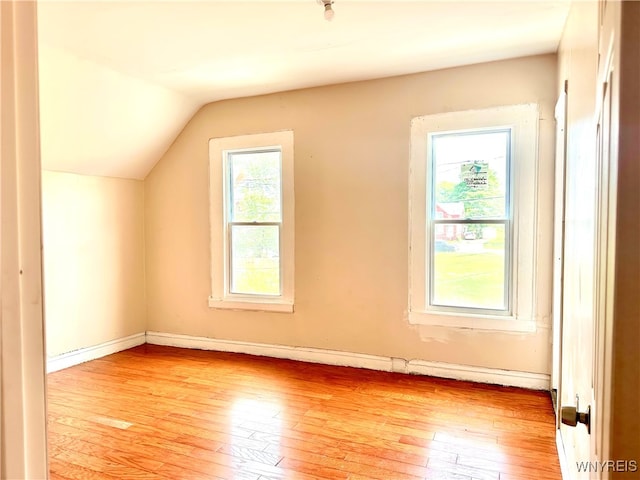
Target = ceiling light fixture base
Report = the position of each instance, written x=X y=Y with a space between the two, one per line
x=328 y=9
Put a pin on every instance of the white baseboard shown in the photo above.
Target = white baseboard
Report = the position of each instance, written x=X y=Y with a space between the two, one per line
x=496 y=376
x=91 y=353
x=528 y=380
x=304 y=354
x=510 y=378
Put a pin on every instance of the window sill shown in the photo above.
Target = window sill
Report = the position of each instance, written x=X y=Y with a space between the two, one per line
x=473 y=322
x=251 y=304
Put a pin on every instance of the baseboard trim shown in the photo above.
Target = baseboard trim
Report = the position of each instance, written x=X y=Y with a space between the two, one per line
x=528 y=380
x=82 y=355
x=534 y=381
x=510 y=378
x=304 y=354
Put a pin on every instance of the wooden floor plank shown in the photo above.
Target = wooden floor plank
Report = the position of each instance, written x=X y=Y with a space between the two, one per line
x=164 y=413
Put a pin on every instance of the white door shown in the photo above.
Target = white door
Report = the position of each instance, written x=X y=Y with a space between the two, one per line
x=584 y=288
x=579 y=299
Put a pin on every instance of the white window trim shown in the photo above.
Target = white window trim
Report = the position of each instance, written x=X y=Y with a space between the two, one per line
x=220 y=297
x=524 y=120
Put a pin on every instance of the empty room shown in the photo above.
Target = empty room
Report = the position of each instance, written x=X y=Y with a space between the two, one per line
x=318 y=239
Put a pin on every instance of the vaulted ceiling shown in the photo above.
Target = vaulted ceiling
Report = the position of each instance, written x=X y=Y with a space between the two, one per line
x=119 y=79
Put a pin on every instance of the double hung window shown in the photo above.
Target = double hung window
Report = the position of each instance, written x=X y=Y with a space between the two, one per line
x=251 y=200
x=254 y=221
x=470 y=220
x=473 y=194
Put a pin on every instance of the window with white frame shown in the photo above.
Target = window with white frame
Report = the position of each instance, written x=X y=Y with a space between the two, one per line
x=469 y=220
x=251 y=207
x=472 y=212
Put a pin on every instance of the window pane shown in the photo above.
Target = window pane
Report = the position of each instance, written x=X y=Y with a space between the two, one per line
x=255 y=186
x=469 y=266
x=255 y=259
x=470 y=174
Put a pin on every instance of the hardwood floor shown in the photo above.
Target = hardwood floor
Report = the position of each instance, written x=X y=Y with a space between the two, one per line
x=167 y=413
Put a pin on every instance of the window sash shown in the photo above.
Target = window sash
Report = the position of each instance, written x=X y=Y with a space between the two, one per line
x=229 y=172
x=506 y=221
x=507 y=267
x=229 y=254
x=229 y=223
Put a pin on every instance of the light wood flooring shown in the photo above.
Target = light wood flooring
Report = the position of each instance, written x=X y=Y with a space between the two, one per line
x=166 y=413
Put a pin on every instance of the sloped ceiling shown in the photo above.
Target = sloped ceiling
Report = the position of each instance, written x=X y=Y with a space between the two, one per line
x=119 y=79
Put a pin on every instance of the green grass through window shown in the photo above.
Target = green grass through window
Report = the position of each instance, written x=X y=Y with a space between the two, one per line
x=469 y=279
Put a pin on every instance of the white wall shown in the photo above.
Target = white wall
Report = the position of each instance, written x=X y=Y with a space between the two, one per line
x=93 y=260
x=96 y=121
x=351 y=186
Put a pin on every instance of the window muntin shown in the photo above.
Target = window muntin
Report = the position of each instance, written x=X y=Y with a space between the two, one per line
x=254 y=221
x=469 y=223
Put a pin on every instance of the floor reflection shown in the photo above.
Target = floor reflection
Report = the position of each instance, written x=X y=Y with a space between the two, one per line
x=256 y=429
